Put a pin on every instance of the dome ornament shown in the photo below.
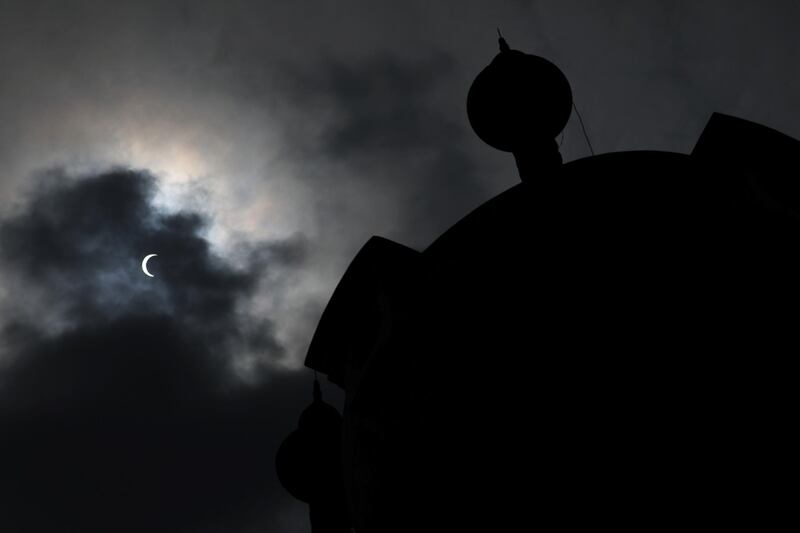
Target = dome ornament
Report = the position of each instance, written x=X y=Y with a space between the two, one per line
x=519 y=103
x=502 y=42
x=308 y=464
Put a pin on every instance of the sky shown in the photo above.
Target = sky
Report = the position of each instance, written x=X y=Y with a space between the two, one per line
x=255 y=146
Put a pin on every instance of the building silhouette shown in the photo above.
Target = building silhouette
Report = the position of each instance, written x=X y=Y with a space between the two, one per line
x=609 y=342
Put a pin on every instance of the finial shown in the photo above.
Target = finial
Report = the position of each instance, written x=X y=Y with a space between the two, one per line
x=519 y=103
x=503 y=44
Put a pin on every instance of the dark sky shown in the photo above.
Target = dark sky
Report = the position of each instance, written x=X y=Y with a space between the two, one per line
x=255 y=146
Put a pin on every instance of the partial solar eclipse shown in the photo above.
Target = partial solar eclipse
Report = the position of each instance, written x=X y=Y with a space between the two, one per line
x=144 y=264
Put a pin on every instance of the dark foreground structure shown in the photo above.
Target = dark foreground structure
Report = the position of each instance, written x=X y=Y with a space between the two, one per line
x=609 y=343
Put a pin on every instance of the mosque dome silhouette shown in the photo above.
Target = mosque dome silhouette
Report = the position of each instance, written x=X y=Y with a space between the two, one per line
x=600 y=344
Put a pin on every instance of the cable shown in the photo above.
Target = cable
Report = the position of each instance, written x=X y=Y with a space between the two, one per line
x=583 y=127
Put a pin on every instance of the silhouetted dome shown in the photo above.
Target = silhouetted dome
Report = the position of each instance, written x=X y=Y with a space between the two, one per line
x=295 y=471
x=307 y=461
x=518 y=100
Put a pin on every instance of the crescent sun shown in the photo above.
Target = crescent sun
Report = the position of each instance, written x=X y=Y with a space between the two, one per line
x=144 y=264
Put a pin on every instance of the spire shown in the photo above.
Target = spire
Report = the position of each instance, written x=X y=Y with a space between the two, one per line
x=502 y=42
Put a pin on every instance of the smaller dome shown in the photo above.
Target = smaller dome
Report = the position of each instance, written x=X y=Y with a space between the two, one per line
x=308 y=461
x=518 y=100
x=295 y=466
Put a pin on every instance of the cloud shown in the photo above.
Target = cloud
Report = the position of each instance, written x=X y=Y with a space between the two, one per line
x=139 y=442
x=380 y=104
x=80 y=242
x=384 y=131
x=119 y=407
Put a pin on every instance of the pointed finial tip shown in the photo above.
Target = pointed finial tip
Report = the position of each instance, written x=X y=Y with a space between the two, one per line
x=503 y=44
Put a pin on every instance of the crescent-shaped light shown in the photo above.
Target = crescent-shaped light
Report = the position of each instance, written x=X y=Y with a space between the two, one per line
x=144 y=264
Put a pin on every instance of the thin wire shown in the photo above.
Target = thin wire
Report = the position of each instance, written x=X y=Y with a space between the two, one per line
x=561 y=140
x=583 y=127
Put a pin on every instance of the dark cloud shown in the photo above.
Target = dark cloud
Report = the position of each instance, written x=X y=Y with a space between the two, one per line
x=381 y=105
x=118 y=407
x=137 y=442
x=81 y=242
x=388 y=126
